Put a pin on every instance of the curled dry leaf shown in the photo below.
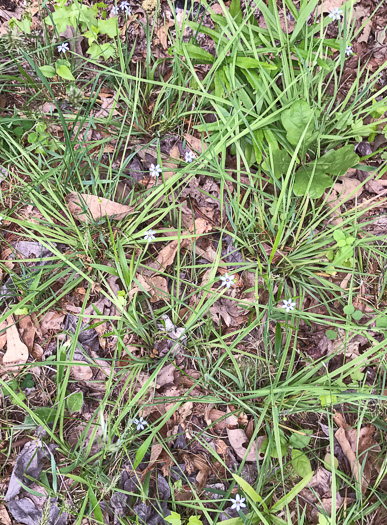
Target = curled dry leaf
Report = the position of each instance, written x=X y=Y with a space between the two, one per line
x=17 y=352
x=240 y=443
x=81 y=205
x=81 y=372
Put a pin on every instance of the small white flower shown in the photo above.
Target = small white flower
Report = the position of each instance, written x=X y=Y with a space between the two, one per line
x=150 y=236
x=128 y=10
x=63 y=47
x=155 y=170
x=227 y=280
x=189 y=156
x=124 y=6
x=238 y=503
x=140 y=423
x=335 y=14
x=1 y=219
x=115 y=10
x=288 y=304
x=348 y=51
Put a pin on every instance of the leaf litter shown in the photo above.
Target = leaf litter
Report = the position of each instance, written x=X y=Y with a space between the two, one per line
x=195 y=419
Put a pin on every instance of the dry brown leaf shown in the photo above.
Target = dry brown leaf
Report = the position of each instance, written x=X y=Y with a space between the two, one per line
x=220 y=447
x=17 y=352
x=184 y=411
x=347 y=188
x=51 y=321
x=174 y=152
x=287 y=25
x=239 y=442
x=321 y=483
x=27 y=330
x=108 y=106
x=169 y=168
x=167 y=255
x=162 y=34
x=3 y=335
x=37 y=352
x=328 y=5
x=218 y=9
x=195 y=143
x=81 y=372
x=165 y=376
x=94 y=432
x=4 y=516
x=204 y=471
x=98 y=207
x=356 y=447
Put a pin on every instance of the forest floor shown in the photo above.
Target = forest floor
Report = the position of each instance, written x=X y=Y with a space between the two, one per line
x=193 y=271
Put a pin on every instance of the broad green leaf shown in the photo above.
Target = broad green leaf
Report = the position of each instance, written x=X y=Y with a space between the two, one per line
x=64 y=72
x=285 y=500
x=381 y=322
x=250 y=63
x=174 y=518
x=195 y=52
x=142 y=451
x=328 y=462
x=194 y=520
x=301 y=463
x=33 y=137
x=75 y=402
x=323 y=520
x=236 y=11
x=338 y=235
x=18 y=131
x=328 y=399
x=281 y=162
x=101 y=50
x=257 y=138
x=296 y=119
x=62 y=62
x=220 y=82
x=273 y=448
x=108 y=27
x=331 y=334
x=300 y=441
x=48 y=71
x=21 y=311
x=46 y=414
x=357 y=315
x=248 y=489
x=318 y=186
x=349 y=309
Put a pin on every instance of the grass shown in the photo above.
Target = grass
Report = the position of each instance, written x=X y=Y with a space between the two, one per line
x=262 y=366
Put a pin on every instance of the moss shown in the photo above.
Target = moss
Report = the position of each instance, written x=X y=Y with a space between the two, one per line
x=149 y=5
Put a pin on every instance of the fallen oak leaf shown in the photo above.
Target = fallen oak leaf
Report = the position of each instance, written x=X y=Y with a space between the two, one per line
x=80 y=205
